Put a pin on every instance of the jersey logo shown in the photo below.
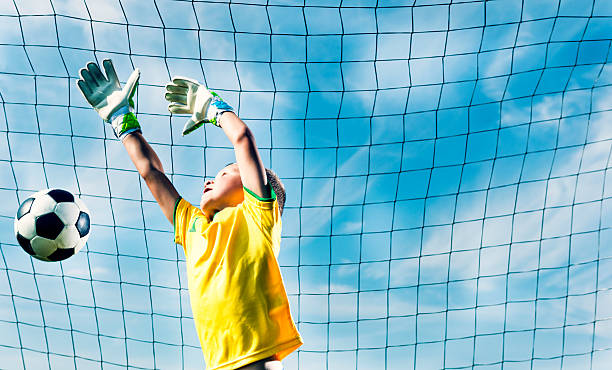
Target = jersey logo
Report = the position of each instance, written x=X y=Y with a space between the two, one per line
x=192 y=228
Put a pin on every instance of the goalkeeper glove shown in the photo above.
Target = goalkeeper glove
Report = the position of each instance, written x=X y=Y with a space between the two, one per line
x=114 y=104
x=187 y=96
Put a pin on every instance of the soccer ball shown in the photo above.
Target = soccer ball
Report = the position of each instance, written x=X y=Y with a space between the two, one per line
x=52 y=225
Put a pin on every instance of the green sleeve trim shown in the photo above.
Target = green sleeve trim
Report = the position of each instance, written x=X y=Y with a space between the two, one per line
x=174 y=213
x=272 y=194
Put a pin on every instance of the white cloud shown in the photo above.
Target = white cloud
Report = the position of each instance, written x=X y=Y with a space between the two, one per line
x=546 y=107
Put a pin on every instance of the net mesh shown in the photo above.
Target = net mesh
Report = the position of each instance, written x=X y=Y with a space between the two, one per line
x=447 y=168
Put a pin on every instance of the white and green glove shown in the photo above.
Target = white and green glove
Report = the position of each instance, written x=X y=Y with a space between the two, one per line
x=187 y=96
x=114 y=104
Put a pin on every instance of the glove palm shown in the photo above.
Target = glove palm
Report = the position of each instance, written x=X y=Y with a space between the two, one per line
x=113 y=103
x=187 y=96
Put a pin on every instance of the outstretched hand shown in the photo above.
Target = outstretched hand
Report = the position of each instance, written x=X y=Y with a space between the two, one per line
x=187 y=96
x=105 y=93
x=114 y=104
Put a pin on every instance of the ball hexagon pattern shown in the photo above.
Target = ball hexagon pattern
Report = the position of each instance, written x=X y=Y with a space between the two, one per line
x=52 y=225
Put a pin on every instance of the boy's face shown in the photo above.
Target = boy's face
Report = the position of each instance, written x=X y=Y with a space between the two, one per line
x=224 y=191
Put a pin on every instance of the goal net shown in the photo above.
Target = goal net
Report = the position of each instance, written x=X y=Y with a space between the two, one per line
x=447 y=167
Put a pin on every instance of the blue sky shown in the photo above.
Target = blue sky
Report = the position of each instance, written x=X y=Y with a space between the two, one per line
x=447 y=168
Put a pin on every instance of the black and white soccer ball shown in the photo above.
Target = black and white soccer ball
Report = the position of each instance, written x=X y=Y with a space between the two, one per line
x=52 y=225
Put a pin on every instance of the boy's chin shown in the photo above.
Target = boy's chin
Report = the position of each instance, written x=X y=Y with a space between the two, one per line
x=208 y=208
x=205 y=206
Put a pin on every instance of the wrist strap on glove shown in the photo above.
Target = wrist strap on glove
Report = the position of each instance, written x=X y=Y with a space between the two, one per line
x=124 y=122
x=218 y=107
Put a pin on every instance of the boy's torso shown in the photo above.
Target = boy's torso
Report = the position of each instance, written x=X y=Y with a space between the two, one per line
x=238 y=298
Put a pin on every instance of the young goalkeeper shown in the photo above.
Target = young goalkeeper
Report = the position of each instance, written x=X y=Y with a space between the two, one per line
x=238 y=299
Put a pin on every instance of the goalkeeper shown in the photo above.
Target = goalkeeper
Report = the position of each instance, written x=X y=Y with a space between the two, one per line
x=238 y=299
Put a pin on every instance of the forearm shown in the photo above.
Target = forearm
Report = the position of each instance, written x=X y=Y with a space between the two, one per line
x=163 y=191
x=252 y=170
x=235 y=129
x=150 y=168
x=142 y=154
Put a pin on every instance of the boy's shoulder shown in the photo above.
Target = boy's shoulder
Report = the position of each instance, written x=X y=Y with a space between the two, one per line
x=250 y=198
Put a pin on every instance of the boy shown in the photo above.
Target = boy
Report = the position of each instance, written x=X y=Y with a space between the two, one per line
x=238 y=299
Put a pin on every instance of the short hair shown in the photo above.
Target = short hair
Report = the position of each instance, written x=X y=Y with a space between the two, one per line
x=278 y=187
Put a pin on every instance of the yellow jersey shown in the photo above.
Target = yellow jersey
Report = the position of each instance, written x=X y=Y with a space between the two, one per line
x=238 y=298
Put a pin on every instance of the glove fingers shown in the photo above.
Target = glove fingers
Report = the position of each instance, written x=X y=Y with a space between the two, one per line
x=176 y=108
x=84 y=87
x=85 y=90
x=176 y=98
x=176 y=89
x=95 y=72
x=89 y=80
x=110 y=72
x=184 y=81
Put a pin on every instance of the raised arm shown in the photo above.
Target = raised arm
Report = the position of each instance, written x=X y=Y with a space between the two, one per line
x=115 y=106
x=188 y=96
x=252 y=170
x=150 y=168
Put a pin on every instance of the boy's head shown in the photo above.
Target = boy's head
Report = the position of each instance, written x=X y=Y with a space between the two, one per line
x=226 y=190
